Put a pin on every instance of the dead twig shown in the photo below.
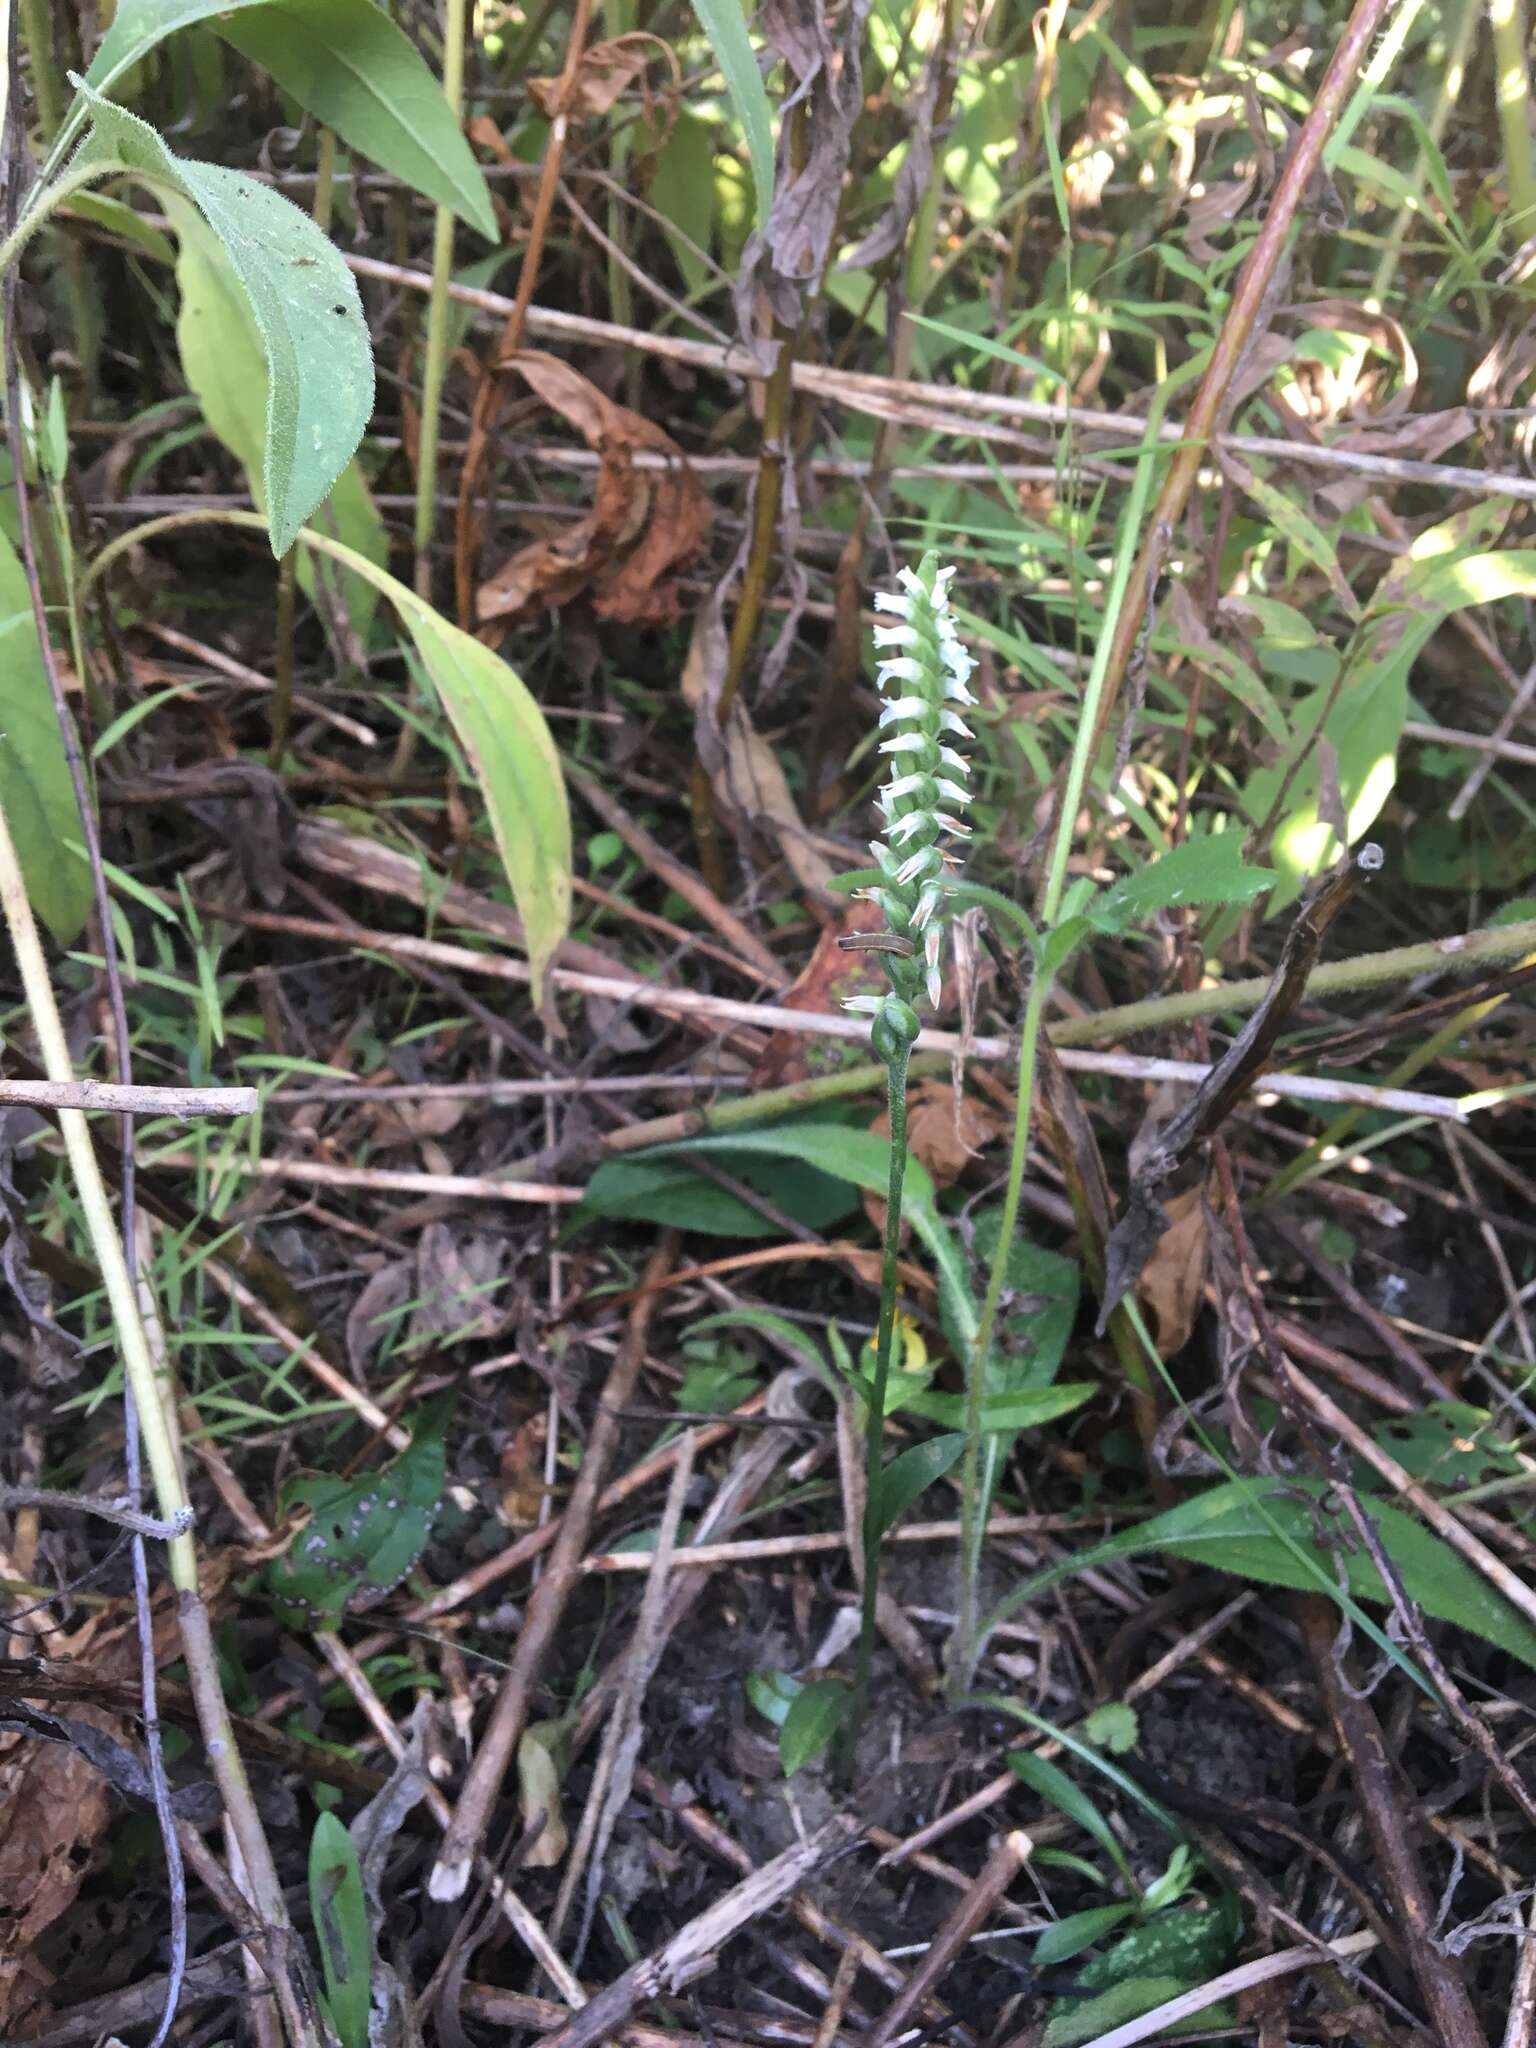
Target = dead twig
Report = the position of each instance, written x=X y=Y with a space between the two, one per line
x=1363 y=1746
x=466 y=1830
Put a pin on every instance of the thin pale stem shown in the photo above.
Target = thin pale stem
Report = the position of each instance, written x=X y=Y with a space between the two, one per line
x=435 y=368
x=1507 y=20
x=965 y=1647
x=874 y=1426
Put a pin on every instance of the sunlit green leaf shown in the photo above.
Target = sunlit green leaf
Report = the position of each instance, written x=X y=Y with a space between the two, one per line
x=725 y=23
x=305 y=303
x=344 y=61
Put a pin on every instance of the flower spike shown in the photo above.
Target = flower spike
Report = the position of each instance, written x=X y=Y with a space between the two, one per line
x=924 y=674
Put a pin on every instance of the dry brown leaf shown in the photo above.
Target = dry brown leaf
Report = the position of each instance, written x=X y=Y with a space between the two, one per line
x=827 y=979
x=521 y=1472
x=604 y=74
x=374 y=1316
x=1213 y=208
x=644 y=528
x=744 y=771
x=53 y=1815
x=1172 y=1281
x=539 y=1771
x=458 y=1285
x=945 y=1131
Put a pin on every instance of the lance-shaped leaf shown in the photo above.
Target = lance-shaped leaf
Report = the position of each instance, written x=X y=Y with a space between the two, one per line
x=305 y=303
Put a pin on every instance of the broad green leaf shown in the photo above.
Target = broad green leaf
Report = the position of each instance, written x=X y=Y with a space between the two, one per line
x=363 y=1535
x=355 y=70
x=1445 y=571
x=1069 y=1937
x=1191 y=1943
x=1283 y=512
x=1206 y=869
x=503 y=733
x=225 y=368
x=1257 y=1529
x=306 y=306
x=347 y=63
x=682 y=190
x=813 y=1718
x=1076 y=2020
x=909 y=1476
x=35 y=787
x=1228 y=671
x=340 y=1912
x=862 y=1158
x=725 y=23
x=1029 y=1409
x=670 y=1191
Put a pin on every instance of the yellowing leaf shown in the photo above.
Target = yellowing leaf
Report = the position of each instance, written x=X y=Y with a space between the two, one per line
x=303 y=299
x=225 y=368
x=35 y=787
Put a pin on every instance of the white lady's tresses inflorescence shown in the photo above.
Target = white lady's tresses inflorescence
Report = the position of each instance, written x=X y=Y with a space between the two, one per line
x=924 y=677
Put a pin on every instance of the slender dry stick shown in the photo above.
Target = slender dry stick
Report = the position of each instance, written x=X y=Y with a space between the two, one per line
x=465 y=1832
x=466 y=527
x=434 y=369
x=1237 y=333
x=170 y=1490
x=967 y=1915
x=1361 y=1742
x=160 y=1786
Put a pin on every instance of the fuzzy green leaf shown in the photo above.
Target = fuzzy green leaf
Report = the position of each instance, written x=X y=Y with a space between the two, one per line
x=225 y=368
x=35 y=786
x=345 y=62
x=305 y=303
x=363 y=1535
x=508 y=745
x=1205 y=870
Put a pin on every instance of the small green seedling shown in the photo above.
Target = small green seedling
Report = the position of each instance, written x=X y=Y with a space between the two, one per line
x=341 y=1929
x=363 y=1535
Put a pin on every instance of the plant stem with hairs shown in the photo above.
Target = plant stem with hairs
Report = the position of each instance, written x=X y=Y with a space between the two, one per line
x=925 y=674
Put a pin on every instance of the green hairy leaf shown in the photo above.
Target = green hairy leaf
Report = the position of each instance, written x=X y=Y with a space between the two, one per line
x=1205 y=870
x=355 y=70
x=223 y=362
x=305 y=303
x=503 y=733
x=35 y=788
x=363 y=1535
x=346 y=63
x=340 y=1913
